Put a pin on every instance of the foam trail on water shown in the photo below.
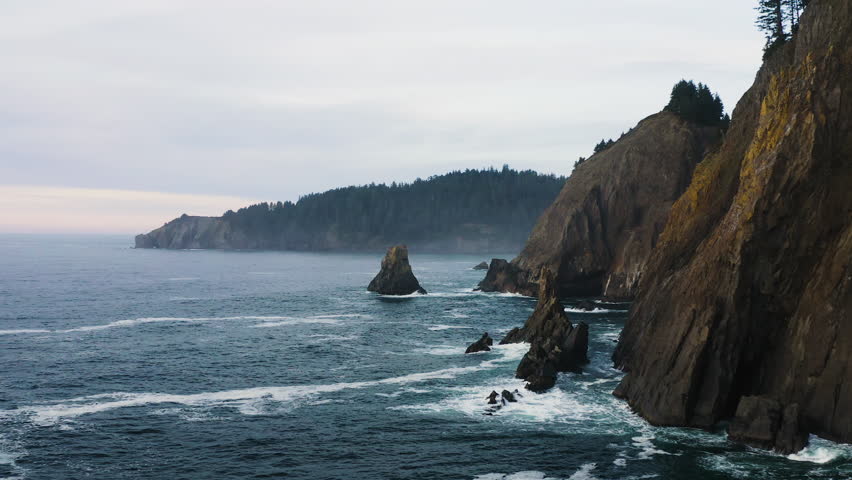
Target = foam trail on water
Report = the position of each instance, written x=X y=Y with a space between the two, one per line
x=244 y=400
x=820 y=451
x=439 y=327
x=23 y=330
x=584 y=473
x=594 y=310
x=269 y=321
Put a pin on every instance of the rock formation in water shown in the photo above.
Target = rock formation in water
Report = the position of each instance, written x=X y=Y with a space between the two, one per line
x=396 y=277
x=555 y=344
x=761 y=422
x=481 y=266
x=749 y=291
x=481 y=345
x=597 y=235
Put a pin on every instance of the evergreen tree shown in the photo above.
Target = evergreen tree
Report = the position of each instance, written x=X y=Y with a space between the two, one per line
x=770 y=20
x=444 y=206
x=697 y=103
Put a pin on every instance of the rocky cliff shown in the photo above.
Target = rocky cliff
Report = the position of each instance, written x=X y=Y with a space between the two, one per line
x=749 y=291
x=598 y=233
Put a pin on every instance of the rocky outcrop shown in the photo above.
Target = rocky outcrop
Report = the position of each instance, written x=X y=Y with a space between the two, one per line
x=597 y=236
x=761 y=422
x=586 y=305
x=555 y=344
x=481 y=266
x=749 y=292
x=481 y=345
x=187 y=232
x=396 y=277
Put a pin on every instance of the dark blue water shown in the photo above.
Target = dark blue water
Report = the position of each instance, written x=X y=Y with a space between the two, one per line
x=121 y=363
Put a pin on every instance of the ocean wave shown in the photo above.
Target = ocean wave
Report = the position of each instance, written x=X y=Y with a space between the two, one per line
x=297 y=321
x=248 y=401
x=821 y=451
x=182 y=279
x=24 y=330
x=594 y=310
x=268 y=321
x=442 y=350
x=583 y=473
x=440 y=327
x=555 y=405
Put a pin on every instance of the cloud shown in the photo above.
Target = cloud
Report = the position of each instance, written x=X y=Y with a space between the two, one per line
x=274 y=99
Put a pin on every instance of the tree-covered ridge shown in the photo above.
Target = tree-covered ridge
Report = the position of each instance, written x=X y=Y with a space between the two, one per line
x=695 y=103
x=698 y=104
x=499 y=206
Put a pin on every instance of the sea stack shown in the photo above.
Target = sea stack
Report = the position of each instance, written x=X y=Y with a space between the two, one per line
x=555 y=344
x=396 y=277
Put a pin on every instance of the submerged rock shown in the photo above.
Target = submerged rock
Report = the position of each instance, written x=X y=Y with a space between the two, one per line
x=481 y=266
x=492 y=397
x=555 y=344
x=396 y=277
x=760 y=422
x=509 y=396
x=481 y=345
x=586 y=305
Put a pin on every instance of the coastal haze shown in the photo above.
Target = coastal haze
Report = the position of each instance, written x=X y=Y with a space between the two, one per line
x=482 y=241
x=273 y=100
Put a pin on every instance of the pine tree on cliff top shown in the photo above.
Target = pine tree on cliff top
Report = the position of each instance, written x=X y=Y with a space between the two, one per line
x=770 y=20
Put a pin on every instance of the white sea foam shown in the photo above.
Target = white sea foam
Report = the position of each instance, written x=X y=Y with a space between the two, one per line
x=584 y=473
x=525 y=475
x=645 y=444
x=555 y=405
x=268 y=321
x=297 y=321
x=594 y=310
x=820 y=451
x=722 y=464
x=335 y=338
x=439 y=327
x=23 y=330
x=248 y=401
x=402 y=391
x=442 y=350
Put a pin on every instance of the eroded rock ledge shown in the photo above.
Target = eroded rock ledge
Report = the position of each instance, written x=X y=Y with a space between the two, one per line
x=555 y=344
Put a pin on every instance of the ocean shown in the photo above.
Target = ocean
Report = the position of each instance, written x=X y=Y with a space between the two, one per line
x=120 y=363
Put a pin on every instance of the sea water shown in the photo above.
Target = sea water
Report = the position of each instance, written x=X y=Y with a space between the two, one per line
x=120 y=363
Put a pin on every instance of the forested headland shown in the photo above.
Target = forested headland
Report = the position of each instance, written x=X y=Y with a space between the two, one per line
x=472 y=211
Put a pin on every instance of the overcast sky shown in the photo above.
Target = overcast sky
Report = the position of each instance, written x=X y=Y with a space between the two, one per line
x=117 y=115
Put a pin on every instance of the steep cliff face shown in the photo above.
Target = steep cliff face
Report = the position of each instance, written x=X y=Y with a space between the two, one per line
x=193 y=232
x=749 y=292
x=598 y=233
